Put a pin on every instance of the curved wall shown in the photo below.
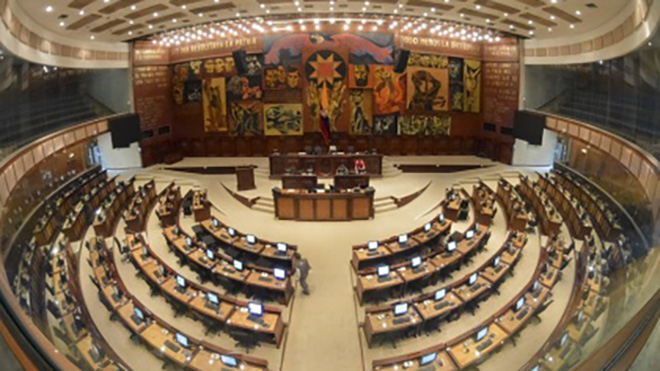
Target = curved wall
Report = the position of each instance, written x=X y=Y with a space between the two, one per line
x=621 y=35
x=28 y=40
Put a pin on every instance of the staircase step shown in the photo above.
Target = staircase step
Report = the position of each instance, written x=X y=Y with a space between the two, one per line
x=264 y=209
x=385 y=208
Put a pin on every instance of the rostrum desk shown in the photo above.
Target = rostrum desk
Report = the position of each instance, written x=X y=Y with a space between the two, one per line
x=323 y=165
x=299 y=204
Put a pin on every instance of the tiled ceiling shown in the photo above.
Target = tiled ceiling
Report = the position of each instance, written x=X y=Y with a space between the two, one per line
x=121 y=20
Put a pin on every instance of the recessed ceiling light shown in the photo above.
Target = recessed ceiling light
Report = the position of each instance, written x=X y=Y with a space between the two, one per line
x=81 y=12
x=92 y=37
x=572 y=26
x=49 y=9
x=578 y=12
x=133 y=7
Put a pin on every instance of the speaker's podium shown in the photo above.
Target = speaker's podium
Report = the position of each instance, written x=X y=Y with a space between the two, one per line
x=245 y=178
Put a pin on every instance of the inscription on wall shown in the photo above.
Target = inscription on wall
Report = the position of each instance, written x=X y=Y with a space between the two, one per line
x=151 y=86
x=500 y=92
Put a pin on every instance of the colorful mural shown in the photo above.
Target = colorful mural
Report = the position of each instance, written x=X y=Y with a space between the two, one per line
x=472 y=85
x=389 y=90
x=361 y=102
x=360 y=76
x=428 y=90
x=246 y=118
x=427 y=60
x=325 y=75
x=244 y=87
x=363 y=48
x=425 y=125
x=456 y=84
x=283 y=119
x=281 y=77
x=386 y=125
x=215 y=105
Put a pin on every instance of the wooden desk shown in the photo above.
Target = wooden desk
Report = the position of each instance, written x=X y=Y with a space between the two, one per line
x=299 y=181
x=351 y=181
x=484 y=203
x=466 y=294
x=323 y=165
x=156 y=335
x=513 y=321
x=427 y=310
x=245 y=178
x=136 y=213
x=466 y=353
x=369 y=283
x=381 y=322
x=272 y=327
x=302 y=205
x=452 y=207
x=514 y=207
x=549 y=219
x=443 y=362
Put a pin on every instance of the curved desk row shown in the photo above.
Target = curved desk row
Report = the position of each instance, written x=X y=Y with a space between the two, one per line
x=550 y=220
x=426 y=312
x=153 y=331
x=474 y=346
x=229 y=312
x=257 y=281
x=434 y=265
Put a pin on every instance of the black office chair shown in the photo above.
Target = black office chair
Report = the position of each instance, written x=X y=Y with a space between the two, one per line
x=244 y=339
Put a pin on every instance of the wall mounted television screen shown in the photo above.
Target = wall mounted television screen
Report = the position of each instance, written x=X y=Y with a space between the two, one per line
x=529 y=126
x=125 y=130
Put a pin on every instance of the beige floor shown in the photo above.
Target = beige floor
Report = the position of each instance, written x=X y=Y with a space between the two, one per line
x=323 y=329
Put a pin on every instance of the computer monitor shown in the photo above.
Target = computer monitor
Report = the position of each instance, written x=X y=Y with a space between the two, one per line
x=256 y=309
x=251 y=239
x=469 y=234
x=451 y=246
x=188 y=241
x=427 y=359
x=181 y=340
x=441 y=218
x=580 y=315
x=473 y=279
x=175 y=231
x=372 y=245
x=427 y=227
x=416 y=261
x=482 y=333
x=496 y=261
x=210 y=254
x=403 y=238
x=536 y=285
x=216 y=223
x=400 y=309
x=115 y=291
x=231 y=231
x=145 y=251
x=383 y=271
x=238 y=265
x=138 y=313
x=161 y=269
x=181 y=281
x=564 y=339
x=279 y=273
x=213 y=298
x=229 y=361
x=536 y=368
x=440 y=294
x=519 y=304
x=282 y=247
x=476 y=226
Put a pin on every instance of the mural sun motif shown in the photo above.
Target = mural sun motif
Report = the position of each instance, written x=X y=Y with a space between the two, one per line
x=325 y=68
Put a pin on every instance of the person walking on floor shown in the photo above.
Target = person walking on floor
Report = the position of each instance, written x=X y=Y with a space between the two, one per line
x=303 y=268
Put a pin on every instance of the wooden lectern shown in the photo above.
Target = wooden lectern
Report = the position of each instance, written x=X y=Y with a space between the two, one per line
x=245 y=178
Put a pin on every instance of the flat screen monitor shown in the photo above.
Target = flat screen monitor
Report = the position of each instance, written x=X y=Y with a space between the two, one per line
x=482 y=333
x=473 y=279
x=536 y=285
x=529 y=126
x=564 y=339
x=216 y=223
x=229 y=361
x=138 y=313
x=427 y=227
x=520 y=303
x=416 y=261
x=145 y=252
x=476 y=226
x=176 y=231
x=210 y=254
x=279 y=273
x=451 y=246
x=281 y=247
x=238 y=265
x=182 y=340
x=400 y=309
x=469 y=234
x=231 y=231
x=536 y=368
x=383 y=271
x=580 y=315
x=440 y=294
x=496 y=262
x=403 y=238
x=256 y=309
x=213 y=298
x=115 y=291
x=441 y=218
x=372 y=245
x=427 y=359
x=188 y=241
x=251 y=239
x=181 y=281
x=125 y=130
